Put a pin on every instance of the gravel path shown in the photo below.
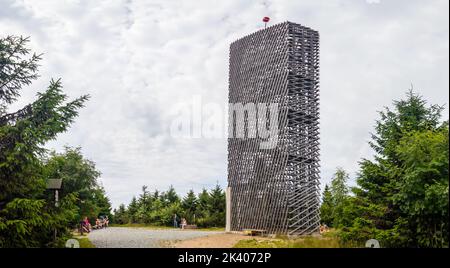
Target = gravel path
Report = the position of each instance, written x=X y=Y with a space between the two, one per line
x=123 y=237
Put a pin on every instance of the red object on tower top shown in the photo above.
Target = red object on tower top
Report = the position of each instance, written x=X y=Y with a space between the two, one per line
x=266 y=19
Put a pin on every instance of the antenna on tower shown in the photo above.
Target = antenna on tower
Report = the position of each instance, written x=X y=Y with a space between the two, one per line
x=266 y=20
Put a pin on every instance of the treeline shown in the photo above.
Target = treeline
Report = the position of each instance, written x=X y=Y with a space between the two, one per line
x=402 y=196
x=29 y=215
x=207 y=209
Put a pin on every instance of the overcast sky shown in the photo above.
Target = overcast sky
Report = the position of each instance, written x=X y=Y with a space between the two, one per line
x=138 y=58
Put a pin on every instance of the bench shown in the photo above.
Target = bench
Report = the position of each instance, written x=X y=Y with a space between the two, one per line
x=190 y=226
x=253 y=232
x=82 y=229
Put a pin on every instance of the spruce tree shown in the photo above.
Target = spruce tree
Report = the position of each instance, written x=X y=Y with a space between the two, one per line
x=133 y=208
x=326 y=208
x=189 y=204
x=402 y=195
x=26 y=219
x=203 y=207
x=217 y=208
x=339 y=196
x=171 y=196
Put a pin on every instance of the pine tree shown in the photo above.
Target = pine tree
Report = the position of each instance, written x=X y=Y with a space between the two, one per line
x=326 y=208
x=102 y=202
x=339 y=196
x=391 y=197
x=217 y=207
x=121 y=215
x=145 y=205
x=189 y=204
x=133 y=208
x=423 y=195
x=171 y=196
x=22 y=136
x=203 y=206
x=16 y=70
x=156 y=194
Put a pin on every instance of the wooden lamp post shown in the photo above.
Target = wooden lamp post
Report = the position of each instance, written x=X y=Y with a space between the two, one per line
x=55 y=185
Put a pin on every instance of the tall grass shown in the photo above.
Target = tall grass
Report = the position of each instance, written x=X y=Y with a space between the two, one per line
x=328 y=240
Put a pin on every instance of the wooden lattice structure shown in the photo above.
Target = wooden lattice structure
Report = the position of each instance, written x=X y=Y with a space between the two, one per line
x=277 y=189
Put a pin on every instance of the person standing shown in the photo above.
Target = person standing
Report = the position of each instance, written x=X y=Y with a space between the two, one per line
x=175 y=220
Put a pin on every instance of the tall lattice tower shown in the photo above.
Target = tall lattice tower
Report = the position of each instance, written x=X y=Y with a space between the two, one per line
x=277 y=189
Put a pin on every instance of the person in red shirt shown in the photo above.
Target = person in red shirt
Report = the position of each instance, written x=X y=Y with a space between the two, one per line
x=86 y=225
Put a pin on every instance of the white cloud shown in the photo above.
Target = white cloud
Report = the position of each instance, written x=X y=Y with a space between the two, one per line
x=137 y=58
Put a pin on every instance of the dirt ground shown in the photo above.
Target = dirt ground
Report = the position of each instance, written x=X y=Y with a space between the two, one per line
x=215 y=241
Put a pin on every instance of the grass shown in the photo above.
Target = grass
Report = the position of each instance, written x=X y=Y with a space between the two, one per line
x=82 y=239
x=307 y=242
x=328 y=240
x=85 y=242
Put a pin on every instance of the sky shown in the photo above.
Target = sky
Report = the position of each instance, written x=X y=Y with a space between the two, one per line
x=140 y=59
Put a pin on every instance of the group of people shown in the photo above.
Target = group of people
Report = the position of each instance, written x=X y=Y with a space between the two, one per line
x=324 y=228
x=85 y=225
x=177 y=223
